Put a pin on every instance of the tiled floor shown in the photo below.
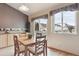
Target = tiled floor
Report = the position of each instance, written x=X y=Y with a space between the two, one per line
x=10 y=50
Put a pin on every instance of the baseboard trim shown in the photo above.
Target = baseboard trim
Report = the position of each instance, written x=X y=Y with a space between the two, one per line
x=63 y=51
x=6 y=47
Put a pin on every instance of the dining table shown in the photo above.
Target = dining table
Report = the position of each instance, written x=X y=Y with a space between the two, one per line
x=26 y=43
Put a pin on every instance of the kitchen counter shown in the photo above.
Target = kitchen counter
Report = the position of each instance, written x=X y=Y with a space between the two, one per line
x=6 y=39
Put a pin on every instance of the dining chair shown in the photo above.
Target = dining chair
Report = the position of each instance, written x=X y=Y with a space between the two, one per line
x=18 y=48
x=40 y=47
x=38 y=34
x=39 y=38
x=25 y=35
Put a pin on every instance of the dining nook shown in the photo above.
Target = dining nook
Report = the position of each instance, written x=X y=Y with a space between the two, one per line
x=27 y=45
x=39 y=29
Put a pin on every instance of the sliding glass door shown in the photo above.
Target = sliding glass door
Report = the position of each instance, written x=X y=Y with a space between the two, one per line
x=40 y=25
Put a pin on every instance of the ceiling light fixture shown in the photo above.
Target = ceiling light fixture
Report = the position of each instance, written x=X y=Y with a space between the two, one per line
x=23 y=8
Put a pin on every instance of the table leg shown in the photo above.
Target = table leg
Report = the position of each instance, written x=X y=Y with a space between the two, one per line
x=46 y=49
x=25 y=51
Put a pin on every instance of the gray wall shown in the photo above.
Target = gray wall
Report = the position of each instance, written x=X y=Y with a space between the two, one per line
x=11 y=18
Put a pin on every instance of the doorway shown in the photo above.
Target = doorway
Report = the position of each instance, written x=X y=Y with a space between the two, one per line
x=40 y=26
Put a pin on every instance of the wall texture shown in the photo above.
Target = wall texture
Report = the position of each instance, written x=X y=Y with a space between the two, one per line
x=11 y=18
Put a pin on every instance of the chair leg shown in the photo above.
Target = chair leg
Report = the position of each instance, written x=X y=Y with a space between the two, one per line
x=46 y=51
x=43 y=53
x=18 y=54
x=15 y=53
x=46 y=48
x=29 y=53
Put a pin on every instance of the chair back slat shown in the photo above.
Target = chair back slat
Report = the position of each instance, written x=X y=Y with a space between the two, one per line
x=39 y=38
x=40 y=43
x=40 y=46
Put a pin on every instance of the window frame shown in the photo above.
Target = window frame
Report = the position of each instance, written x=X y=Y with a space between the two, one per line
x=62 y=21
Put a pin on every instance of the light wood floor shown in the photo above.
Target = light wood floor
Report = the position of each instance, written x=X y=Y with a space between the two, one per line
x=9 y=51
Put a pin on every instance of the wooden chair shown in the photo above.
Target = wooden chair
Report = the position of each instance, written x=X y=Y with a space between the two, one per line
x=38 y=34
x=25 y=35
x=18 y=49
x=39 y=38
x=40 y=47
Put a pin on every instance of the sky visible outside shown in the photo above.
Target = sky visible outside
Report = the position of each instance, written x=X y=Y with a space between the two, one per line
x=68 y=17
x=43 y=21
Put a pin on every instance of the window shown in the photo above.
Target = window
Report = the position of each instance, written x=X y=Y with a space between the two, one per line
x=58 y=18
x=65 y=22
x=41 y=24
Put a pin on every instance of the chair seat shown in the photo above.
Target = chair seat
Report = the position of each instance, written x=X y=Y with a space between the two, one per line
x=32 y=50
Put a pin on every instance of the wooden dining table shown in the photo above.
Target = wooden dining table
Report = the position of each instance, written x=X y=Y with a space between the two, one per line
x=26 y=43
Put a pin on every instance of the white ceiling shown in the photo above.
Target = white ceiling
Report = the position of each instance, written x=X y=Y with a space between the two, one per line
x=34 y=7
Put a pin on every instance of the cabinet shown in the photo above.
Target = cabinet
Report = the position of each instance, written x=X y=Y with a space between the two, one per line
x=3 y=41
x=6 y=40
x=10 y=39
